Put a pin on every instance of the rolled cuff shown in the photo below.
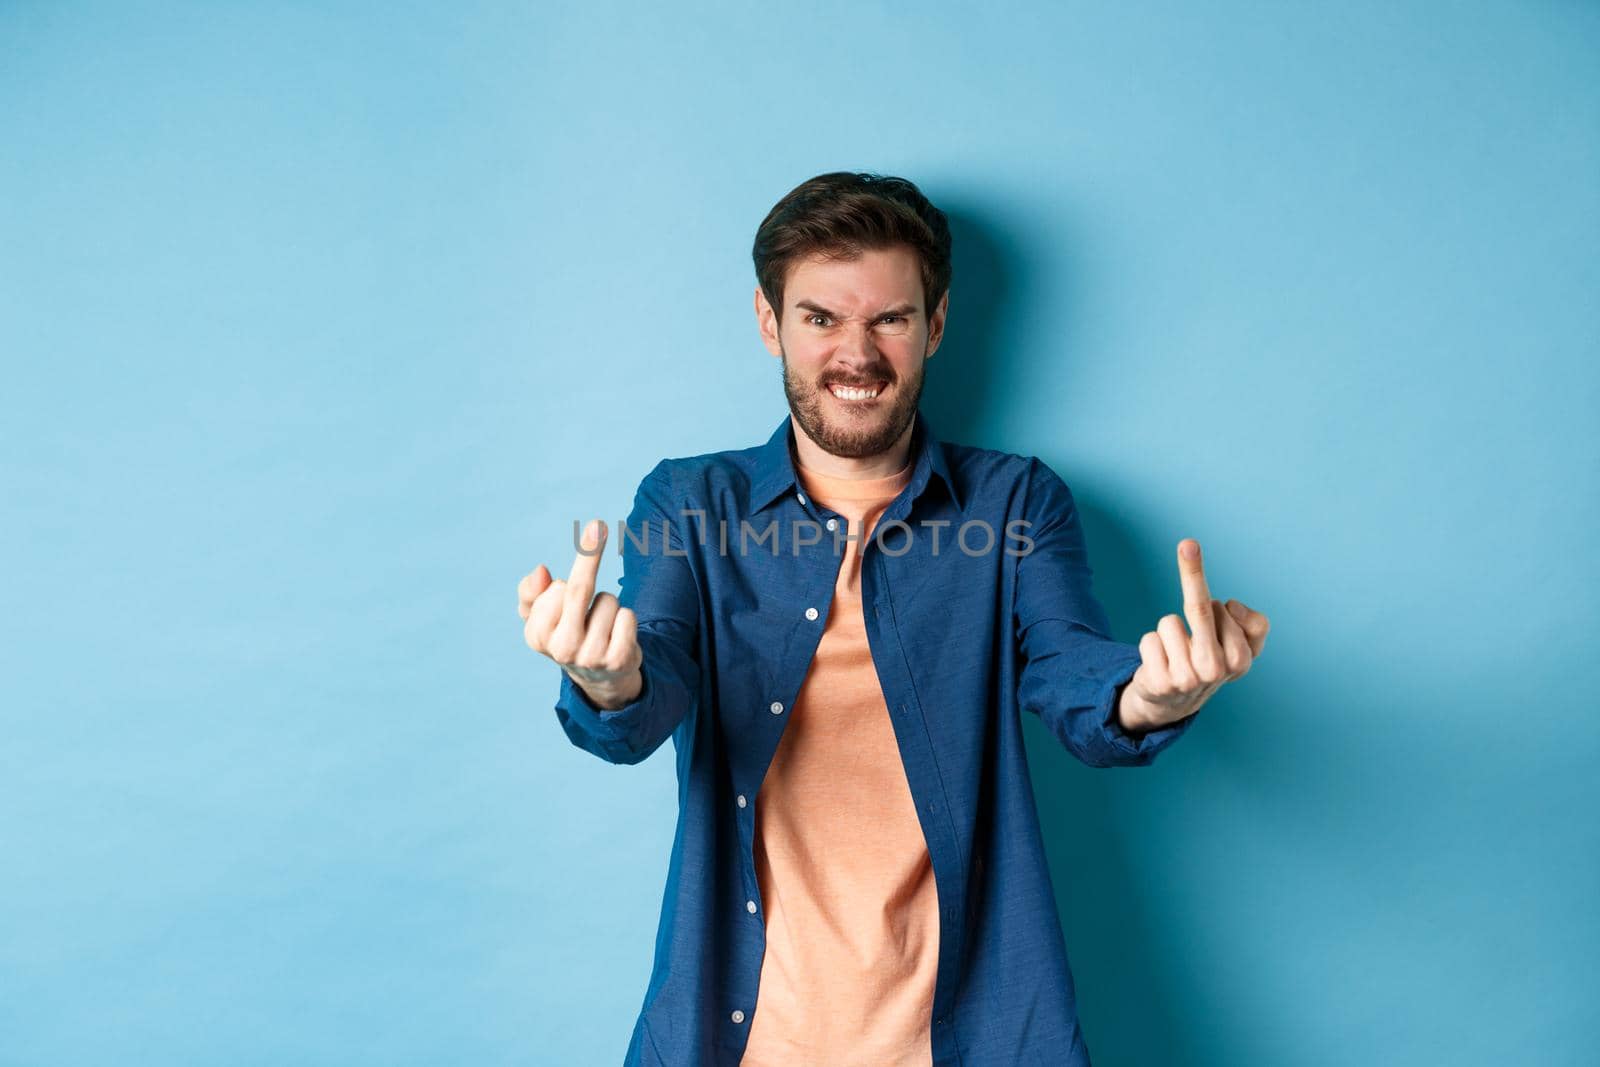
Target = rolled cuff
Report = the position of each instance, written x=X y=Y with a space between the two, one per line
x=1122 y=747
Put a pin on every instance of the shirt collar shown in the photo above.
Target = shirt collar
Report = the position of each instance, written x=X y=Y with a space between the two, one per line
x=774 y=472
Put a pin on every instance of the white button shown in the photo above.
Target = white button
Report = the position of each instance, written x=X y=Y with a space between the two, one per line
x=777 y=707
x=750 y=906
x=738 y=1016
x=741 y=800
x=800 y=497
x=833 y=524
x=811 y=613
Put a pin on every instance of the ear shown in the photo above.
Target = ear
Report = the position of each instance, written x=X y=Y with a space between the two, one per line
x=936 y=325
x=767 y=323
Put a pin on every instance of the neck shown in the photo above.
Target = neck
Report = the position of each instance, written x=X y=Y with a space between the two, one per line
x=812 y=456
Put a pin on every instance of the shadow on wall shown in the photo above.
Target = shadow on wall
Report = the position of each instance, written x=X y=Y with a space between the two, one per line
x=968 y=375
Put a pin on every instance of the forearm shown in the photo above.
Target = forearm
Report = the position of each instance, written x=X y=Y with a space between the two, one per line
x=1127 y=714
x=612 y=696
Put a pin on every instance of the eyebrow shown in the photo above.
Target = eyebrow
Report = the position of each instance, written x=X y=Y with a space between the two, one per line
x=903 y=309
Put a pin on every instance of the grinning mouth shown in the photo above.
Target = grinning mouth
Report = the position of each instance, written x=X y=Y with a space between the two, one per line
x=856 y=392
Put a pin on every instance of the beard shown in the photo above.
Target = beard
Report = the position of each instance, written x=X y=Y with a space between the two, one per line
x=852 y=434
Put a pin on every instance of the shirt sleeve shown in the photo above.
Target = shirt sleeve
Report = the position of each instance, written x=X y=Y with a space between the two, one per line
x=1072 y=671
x=659 y=586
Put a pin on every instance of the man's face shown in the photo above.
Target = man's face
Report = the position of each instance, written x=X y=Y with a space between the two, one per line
x=853 y=323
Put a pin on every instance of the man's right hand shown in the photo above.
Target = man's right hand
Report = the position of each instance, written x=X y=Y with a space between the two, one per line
x=596 y=644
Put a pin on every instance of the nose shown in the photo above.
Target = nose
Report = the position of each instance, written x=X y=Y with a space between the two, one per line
x=856 y=347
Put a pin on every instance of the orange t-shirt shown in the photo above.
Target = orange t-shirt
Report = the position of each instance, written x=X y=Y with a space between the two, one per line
x=852 y=913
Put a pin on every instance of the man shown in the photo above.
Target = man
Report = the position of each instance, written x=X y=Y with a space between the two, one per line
x=838 y=629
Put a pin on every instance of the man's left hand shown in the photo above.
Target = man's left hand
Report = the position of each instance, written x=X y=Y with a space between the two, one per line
x=1180 y=670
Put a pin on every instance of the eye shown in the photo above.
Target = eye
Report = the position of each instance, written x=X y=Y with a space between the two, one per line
x=891 y=318
x=810 y=317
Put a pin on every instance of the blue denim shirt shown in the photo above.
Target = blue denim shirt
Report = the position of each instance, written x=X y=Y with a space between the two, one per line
x=730 y=568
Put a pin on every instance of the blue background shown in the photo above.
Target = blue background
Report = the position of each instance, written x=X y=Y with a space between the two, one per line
x=319 y=328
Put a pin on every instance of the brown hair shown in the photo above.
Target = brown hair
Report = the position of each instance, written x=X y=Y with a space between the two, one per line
x=841 y=214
